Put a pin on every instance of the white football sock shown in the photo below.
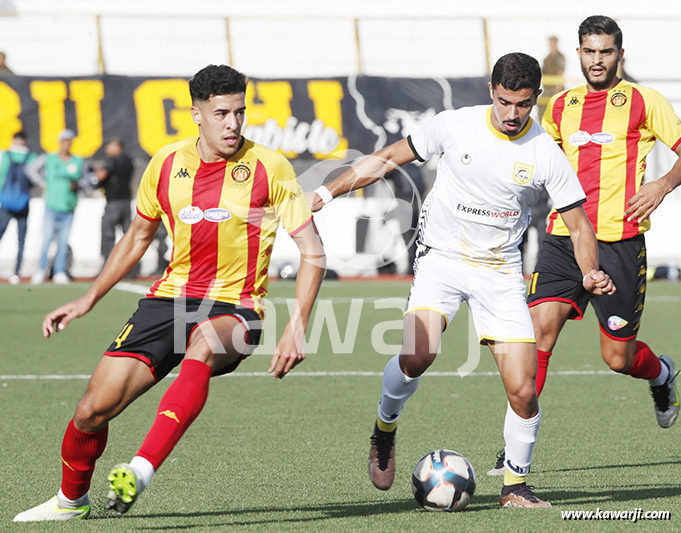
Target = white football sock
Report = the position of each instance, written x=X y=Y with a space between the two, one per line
x=520 y=435
x=662 y=378
x=68 y=503
x=397 y=388
x=143 y=470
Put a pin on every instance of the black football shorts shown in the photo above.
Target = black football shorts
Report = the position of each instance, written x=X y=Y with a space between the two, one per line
x=158 y=333
x=557 y=277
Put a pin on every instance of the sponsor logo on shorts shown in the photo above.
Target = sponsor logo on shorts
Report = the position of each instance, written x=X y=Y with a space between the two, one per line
x=190 y=214
x=217 y=214
x=615 y=322
x=522 y=173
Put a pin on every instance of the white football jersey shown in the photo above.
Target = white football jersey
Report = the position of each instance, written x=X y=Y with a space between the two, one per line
x=479 y=206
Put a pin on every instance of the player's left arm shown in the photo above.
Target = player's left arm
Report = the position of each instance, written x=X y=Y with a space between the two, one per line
x=651 y=194
x=291 y=350
x=586 y=251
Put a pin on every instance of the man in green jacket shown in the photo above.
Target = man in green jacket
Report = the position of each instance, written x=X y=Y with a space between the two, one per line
x=61 y=171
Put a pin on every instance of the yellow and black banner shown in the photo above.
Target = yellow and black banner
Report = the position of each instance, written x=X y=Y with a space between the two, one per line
x=306 y=118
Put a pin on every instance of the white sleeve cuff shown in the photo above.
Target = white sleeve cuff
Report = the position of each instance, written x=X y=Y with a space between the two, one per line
x=324 y=194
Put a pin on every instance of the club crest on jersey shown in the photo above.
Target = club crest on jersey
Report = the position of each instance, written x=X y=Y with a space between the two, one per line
x=241 y=173
x=615 y=322
x=618 y=99
x=217 y=214
x=190 y=214
x=522 y=173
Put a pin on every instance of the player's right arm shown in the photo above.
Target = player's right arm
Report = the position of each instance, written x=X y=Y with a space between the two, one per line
x=369 y=170
x=123 y=257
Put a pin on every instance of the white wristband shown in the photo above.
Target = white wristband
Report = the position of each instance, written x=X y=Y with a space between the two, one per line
x=324 y=194
x=584 y=278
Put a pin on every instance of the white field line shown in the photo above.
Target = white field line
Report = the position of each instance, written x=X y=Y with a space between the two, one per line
x=57 y=377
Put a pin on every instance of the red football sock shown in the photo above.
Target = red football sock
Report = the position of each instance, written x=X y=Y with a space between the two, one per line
x=646 y=364
x=542 y=369
x=79 y=452
x=179 y=407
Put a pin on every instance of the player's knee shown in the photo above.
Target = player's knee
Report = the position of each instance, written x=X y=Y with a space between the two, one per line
x=413 y=365
x=523 y=399
x=88 y=417
x=617 y=363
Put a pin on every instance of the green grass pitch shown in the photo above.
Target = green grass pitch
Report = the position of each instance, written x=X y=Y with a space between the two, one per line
x=291 y=455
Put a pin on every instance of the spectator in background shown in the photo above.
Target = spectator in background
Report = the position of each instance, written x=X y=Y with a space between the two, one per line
x=4 y=69
x=114 y=177
x=16 y=157
x=60 y=171
x=553 y=69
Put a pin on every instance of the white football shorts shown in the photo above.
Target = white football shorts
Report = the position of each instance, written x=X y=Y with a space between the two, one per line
x=496 y=299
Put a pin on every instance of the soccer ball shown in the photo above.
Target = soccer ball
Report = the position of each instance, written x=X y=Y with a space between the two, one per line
x=443 y=480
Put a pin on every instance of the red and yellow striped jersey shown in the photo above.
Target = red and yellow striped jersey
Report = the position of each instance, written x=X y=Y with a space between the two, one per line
x=222 y=219
x=606 y=136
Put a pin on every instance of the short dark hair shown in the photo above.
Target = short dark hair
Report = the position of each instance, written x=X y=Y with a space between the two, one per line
x=20 y=134
x=517 y=71
x=599 y=25
x=214 y=80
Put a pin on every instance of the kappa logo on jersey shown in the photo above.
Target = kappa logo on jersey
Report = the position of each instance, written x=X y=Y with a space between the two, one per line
x=522 y=173
x=296 y=195
x=217 y=214
x=241 y=173
x=615 y=322
x=573 y=101
x=466 y=159
x=618 y=99
x=182 y=173
x=190 y=214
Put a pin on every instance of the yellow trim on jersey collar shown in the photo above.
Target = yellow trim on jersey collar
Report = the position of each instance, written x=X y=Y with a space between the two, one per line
x=502 y=136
